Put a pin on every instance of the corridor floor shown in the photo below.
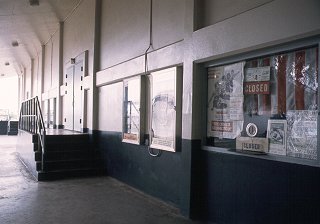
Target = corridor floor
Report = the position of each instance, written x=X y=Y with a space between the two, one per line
x=88 y=200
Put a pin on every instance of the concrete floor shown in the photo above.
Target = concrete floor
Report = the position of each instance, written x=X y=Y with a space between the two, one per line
x=87 y=200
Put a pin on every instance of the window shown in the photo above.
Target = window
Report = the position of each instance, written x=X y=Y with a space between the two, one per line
x=132 y=110
x=267 y=104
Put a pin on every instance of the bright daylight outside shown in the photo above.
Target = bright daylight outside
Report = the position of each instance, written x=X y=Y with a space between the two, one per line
x=9 y=98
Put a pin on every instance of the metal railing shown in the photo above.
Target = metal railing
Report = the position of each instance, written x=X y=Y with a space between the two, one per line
x=31 y=120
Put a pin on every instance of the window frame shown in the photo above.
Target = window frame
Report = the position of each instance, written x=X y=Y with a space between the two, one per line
x=177 y=75
x=254 y=54
x=141 y=110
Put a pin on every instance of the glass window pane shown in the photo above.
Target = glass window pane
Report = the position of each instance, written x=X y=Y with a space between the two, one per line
x=131 y=126
x=279 y=90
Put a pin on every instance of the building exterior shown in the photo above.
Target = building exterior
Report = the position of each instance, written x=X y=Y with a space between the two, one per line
x=108 y=56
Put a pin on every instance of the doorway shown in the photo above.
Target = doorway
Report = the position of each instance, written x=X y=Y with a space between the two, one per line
x=74 y=97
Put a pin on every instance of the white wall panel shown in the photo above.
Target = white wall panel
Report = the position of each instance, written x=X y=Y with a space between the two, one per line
x=213 y=11
x=36 y=77
x=110 y=107
x=79 y=33
x=55 y=60
x=47 y=66
x=168 y=22
x=28 y=80
x=124 y=30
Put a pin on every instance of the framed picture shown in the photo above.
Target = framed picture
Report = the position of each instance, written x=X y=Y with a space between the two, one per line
x=277 y=135
x=302 y=134
x=165 y=107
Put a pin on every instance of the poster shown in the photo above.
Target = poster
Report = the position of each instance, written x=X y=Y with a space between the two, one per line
x=163 y=110
x=302 y=134
x=277 y=135
x=225 y=101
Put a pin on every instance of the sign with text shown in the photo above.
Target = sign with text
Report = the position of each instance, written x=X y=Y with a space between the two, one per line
x=256 y=88
x=221 y=126
x=260 y=145
x=260 y=74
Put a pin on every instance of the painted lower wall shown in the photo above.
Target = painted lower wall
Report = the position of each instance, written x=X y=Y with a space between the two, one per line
x=241 y=189
x=214 y=186
x=166 y=177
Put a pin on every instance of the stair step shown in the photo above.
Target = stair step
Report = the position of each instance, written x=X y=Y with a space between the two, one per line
x=68 y=155
x=64 y=174
x=78 y=138
x=70 y=146
x=68 y=164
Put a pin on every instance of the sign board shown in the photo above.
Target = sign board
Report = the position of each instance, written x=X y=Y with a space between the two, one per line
x=260 y=74
x=256 y=88
x=260 y=145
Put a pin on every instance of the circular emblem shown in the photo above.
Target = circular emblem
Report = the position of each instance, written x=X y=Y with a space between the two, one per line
x=252 y=130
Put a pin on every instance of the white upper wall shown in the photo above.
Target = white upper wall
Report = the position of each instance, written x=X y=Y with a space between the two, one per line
x=124 y=30
x=28 y=81
x=125 y=27
x=168 y=22
x=210 y=12
x=110 y=107
x=51 y=63
x=273 y=23
x=79 y=33
x=55 y=61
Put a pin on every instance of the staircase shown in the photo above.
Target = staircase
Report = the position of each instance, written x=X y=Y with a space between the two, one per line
x=66 y=156
x=57 y=153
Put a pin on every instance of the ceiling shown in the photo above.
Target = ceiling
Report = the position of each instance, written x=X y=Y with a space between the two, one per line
x=28 y=26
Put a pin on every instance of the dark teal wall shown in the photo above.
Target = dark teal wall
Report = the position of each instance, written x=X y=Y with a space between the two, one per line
x=241 y=189
x=167 y=177
x=217 y=187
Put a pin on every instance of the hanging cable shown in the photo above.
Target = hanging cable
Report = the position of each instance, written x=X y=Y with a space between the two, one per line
x=150 y=150
x=152 y=153
x=150 y=41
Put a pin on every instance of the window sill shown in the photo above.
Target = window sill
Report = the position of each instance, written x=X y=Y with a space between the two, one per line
x=278 y=158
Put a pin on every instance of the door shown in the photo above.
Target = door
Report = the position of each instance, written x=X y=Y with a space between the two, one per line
x=78 y=97
x=74 y=97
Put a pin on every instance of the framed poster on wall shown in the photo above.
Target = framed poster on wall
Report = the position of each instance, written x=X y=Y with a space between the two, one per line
x=302 y=134
x=225 y=94
x=165 y=109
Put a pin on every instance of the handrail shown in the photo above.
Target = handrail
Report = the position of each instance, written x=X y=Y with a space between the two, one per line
x=31 y=120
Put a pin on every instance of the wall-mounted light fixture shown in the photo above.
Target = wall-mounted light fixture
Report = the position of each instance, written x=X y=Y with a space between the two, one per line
x=6 y=63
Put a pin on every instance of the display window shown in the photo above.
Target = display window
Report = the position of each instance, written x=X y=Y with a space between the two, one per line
x=267 y=104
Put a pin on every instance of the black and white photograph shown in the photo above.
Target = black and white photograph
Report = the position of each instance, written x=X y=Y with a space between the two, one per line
x=277 y=133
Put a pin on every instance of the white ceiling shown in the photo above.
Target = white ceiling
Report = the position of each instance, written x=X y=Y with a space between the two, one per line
x=31 y=27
